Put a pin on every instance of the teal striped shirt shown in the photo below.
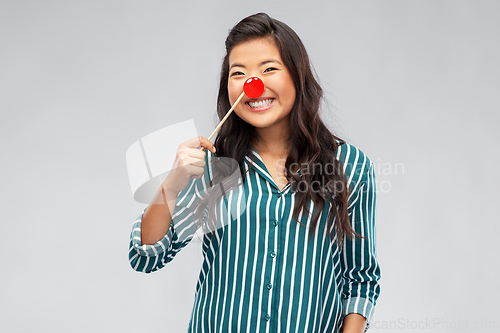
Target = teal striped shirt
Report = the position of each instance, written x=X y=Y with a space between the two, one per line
x=261 y=272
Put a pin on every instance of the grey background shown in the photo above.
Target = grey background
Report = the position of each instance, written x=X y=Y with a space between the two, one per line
x=411 y=83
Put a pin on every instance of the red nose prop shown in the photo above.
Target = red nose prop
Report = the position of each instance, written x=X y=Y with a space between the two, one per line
x=253 y=87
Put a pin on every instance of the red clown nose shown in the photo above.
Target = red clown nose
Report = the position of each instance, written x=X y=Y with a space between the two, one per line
x=253 y=87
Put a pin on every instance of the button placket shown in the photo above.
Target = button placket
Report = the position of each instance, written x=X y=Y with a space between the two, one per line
x=274 y=247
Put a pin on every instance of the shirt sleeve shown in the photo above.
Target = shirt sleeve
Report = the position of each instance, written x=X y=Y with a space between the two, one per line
x=360 y=268
x=150 y=258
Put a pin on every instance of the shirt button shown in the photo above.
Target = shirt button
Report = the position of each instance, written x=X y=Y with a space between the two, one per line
x=275 y=223
x=273 y=254
x=269 y=286
x=267 y=317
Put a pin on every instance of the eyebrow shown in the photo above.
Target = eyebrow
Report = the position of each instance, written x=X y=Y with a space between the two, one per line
x=261 y=64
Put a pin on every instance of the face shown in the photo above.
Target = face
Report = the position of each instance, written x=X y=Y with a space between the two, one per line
x=261 y=58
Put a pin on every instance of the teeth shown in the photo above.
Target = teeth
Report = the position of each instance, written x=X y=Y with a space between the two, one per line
x=261 y=104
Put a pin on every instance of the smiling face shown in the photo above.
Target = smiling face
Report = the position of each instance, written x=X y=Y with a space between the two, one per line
x=261 y=58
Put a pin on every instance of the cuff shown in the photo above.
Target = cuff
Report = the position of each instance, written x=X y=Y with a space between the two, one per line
x=150 y=250
x=360 y=306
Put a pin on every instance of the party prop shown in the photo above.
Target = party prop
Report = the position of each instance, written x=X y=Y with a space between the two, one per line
x=253 y=88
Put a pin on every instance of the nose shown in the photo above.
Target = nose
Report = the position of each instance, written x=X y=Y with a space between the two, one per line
x=254 y=87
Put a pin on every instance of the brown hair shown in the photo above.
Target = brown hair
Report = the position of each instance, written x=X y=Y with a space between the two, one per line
x=311 y=143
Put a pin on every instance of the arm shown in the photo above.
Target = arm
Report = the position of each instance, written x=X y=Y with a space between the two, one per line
x=167 y=233
x=159 y=210
x=148 y=258
x=354 y=323
x=360 y=268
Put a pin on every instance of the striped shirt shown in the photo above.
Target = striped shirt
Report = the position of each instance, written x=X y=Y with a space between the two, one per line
x=261 y=272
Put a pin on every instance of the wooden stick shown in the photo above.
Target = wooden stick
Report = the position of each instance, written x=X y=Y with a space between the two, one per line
x=225 y=117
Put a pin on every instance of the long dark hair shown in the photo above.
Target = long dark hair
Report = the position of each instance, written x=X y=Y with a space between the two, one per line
x=311 y=143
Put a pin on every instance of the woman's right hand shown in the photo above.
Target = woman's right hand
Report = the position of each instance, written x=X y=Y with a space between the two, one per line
x=189 y=163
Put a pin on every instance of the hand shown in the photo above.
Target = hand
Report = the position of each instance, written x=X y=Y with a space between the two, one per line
x=189 y=163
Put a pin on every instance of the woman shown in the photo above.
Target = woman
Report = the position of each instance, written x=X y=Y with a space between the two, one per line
x=292 y=247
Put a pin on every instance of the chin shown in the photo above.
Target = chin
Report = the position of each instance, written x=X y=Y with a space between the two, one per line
x=261 y=125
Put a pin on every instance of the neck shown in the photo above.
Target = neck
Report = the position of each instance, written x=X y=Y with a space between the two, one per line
x=273 y=141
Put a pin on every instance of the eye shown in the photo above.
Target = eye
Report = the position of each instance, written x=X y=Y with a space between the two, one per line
x=270 y=69
x=237 y=73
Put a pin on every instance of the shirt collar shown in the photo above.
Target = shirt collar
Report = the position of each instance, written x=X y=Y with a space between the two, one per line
x=254 y=161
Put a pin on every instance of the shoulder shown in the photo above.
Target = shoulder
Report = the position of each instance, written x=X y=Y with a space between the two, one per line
x=356 y=164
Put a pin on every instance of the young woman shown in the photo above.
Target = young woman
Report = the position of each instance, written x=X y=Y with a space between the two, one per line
x=293 y=248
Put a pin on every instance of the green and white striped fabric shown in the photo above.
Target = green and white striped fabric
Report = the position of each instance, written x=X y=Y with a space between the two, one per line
x=261 y=272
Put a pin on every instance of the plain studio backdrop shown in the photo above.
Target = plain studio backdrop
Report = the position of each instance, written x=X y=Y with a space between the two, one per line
x=414 y=84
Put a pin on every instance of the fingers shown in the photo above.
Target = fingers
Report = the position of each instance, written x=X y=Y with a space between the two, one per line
x=191 y=158
x=195 y=171
x=195 y=153
x=186 y=160
x=207 y=144
x=190 y=166
x=196 y=162
x=200 y=142
x=189 y=163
